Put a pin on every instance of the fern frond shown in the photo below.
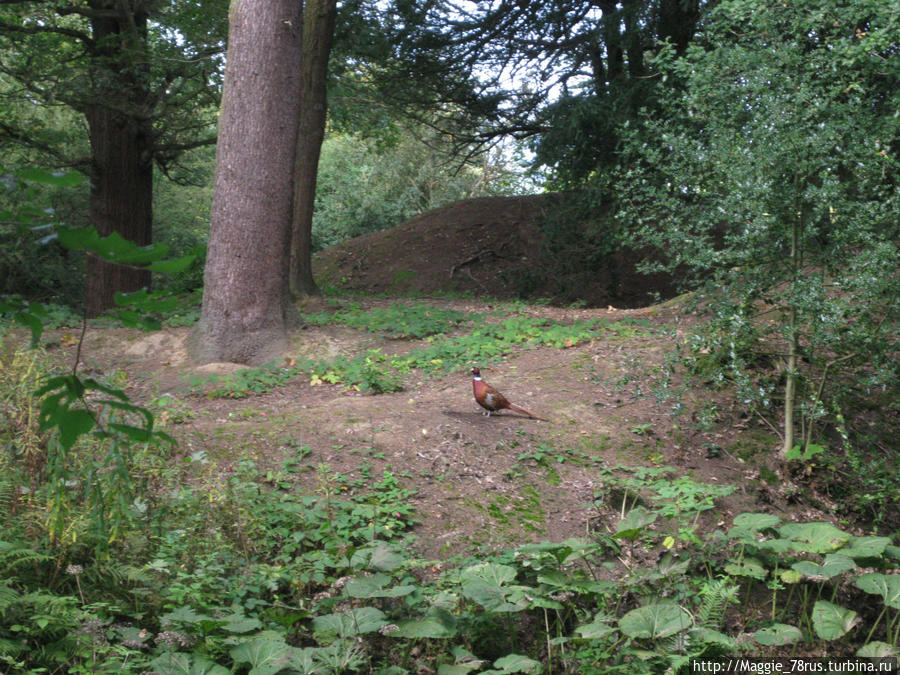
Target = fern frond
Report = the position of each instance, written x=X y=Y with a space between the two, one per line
x=15 y=555
x=8 y=596
x=716 y=595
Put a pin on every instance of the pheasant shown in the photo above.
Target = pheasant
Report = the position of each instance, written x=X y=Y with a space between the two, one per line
x=492 y=400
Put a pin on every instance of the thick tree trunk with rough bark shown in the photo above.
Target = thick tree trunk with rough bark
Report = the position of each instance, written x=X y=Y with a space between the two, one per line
x=246 y=301
x=319 y=18
x=120 y=201
x=121 y=135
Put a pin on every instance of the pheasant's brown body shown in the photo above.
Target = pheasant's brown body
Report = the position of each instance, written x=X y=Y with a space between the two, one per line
x=492 y=400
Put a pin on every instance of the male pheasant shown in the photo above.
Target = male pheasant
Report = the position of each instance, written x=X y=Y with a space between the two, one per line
x=492 y=400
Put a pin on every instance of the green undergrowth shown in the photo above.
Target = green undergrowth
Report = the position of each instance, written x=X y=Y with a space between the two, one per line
x=122 y=553
x=243 y=572
x=452 y=341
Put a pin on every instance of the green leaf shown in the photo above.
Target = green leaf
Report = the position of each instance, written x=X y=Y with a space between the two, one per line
x=877 y=650
x=597 y=628
x=356 y=621
x=266 y=655
x=172 y=664
x=457 y=668
x=238 y=623
x=375 y=587
x=492 y=573
x=866 y=547
x=709 y=636
x=185 y=616
x=55 y=178
x=31 y=321
x=814 y=537
x=72 y=424
x=186 y=664
x=438 y=623
x=655 y=621
x=173 y=265
x=634 y=523
x=464 y=662
x=748 y=567
x=380 y=556
x=778 y=635
x=757 y=521
x=831 y=621
x=113 y=247
x=885 y=585
x=516 y=663
x=485 y=584
x=832 y=566
x=791 y=576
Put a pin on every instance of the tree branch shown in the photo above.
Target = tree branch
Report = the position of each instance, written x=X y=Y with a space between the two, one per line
x=44 y=30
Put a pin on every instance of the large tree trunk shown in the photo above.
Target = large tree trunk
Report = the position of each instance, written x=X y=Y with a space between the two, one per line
x=121 y=136
x=318 y=31
x=246 y=304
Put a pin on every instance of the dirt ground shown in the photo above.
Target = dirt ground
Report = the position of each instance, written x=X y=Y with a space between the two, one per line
x=478 y=481
x=489 y=247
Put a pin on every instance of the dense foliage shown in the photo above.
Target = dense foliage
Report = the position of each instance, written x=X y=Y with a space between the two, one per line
x=771 y=184
x=366 y=185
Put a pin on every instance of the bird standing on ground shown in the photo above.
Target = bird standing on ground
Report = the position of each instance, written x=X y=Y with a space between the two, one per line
x=492 y=400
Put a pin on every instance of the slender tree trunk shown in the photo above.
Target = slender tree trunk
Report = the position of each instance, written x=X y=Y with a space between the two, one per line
x=319 y=18
x=246 y=301
x=790 y=383
x=121 y=198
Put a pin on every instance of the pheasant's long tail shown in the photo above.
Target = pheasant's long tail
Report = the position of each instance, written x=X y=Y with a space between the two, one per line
x=522 y=411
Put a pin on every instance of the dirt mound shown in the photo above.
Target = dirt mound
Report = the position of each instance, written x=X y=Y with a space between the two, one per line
x=487 y=247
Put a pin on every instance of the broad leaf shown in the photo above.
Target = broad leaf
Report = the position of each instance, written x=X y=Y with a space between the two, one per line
x=375 y=587
x=866 y=547
x=173 y=265
x=832 y=566
x=597 y=628
x=485 y=584
x=438 y=623
x=655 y=621
x=635 y=522
x=814 y=537
x=778 y=635
x=885 y=585
x=357 y=621
x=516 y=663
x=266 y=656
x=238 y=623
x=756 y=521
x=380 y=556
x=457 y=668
x=186 y=664
x=831 y=621
x=877 y=650
x=748 y=567
x=55 y=178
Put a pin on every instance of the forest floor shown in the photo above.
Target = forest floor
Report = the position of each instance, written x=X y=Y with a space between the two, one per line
x=615 y=417
x=608 y=407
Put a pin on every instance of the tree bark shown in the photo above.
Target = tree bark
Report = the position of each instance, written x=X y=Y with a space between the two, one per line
x=790 y=383
x=319 y=18
x=121 y=137
x=246 y=302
